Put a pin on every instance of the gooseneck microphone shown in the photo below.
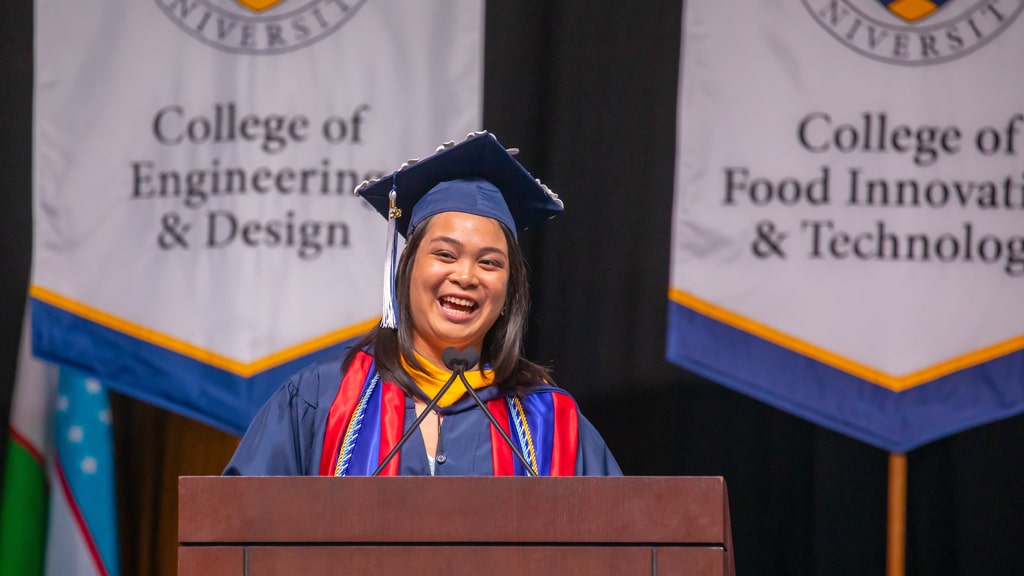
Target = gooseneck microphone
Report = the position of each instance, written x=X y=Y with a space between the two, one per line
x=458 y=362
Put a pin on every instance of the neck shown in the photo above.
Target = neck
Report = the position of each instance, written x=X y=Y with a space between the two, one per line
x=431 y=356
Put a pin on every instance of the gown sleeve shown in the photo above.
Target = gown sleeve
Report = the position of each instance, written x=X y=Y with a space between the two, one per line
x=593 y=458
x=281 y=440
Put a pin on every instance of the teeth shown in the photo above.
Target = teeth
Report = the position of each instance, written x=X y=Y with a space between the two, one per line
x=458 y=301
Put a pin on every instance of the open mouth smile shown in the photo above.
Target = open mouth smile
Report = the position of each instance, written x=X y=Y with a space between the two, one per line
x=458 y=307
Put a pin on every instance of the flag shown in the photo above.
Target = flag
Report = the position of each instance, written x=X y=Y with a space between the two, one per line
x=24 y=505
x=58 y=509
x=82 y=537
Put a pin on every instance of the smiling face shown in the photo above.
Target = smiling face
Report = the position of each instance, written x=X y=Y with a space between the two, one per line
x=458 y=283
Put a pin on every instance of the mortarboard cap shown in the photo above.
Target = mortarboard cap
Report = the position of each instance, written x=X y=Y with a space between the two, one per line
x=476 y=176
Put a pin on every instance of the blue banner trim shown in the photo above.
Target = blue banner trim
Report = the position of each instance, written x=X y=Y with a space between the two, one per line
x=894 y=421
x=156 y=375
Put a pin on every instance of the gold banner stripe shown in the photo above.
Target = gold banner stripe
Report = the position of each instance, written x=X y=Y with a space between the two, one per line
x=179 y=346
x=863 y=371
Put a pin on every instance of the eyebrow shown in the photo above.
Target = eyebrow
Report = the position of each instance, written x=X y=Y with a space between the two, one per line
x=450 y=240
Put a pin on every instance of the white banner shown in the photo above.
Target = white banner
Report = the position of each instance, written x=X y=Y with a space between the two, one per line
x=194 y=168
x=849 y=211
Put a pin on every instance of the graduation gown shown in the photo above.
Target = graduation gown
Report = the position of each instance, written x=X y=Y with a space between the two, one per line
x=286 y=438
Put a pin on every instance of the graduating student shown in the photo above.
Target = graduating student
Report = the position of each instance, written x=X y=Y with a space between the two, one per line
x=460 y=285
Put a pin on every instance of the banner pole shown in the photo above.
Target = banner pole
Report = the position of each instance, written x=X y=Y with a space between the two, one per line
x=897 y=538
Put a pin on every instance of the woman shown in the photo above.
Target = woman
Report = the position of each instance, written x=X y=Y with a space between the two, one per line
x=460 y=286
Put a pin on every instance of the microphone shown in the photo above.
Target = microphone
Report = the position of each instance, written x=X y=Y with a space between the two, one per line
x=456 y=360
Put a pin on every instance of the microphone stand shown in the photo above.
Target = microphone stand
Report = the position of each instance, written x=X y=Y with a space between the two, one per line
x=419 y=420
x=515 y=450
x=457 y=362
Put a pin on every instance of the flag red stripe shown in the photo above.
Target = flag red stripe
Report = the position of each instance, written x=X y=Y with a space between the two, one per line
x=24 y=442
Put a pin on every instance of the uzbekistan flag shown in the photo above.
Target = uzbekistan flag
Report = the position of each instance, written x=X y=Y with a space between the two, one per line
x=58 y=513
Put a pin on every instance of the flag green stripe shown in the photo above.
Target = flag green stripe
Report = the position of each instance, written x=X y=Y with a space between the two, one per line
x=22 y=514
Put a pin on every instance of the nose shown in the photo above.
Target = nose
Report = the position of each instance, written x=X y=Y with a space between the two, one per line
x=463 y=274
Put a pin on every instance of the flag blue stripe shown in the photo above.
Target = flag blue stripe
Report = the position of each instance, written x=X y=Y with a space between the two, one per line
x=85 y=446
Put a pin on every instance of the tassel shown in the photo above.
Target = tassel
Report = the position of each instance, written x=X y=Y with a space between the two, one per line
x=389 y=315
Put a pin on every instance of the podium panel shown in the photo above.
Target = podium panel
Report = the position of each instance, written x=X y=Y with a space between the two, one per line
x=502 y=526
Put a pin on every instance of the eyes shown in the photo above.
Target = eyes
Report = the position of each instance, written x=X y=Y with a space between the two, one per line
x=489 y=260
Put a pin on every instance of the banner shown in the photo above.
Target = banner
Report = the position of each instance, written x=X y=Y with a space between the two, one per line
x=848 y=229
x=196 y=235
x=58 y=514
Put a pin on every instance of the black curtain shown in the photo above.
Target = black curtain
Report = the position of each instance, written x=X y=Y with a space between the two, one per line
x=15 y=191
x=587 y=90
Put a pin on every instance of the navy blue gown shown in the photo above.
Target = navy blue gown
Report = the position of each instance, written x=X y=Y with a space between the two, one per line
x=286 y=437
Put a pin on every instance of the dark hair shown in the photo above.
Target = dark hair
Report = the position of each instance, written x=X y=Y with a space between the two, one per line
x=503 y=343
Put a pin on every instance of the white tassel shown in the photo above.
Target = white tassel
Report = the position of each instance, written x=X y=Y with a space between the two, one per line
x=389 y=315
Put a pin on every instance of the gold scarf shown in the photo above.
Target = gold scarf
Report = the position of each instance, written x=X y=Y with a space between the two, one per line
x=433 y=380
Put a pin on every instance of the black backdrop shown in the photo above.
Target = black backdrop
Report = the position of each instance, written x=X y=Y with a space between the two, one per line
x=587 y=90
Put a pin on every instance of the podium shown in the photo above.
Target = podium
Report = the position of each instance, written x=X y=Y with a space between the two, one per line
x=269 y=526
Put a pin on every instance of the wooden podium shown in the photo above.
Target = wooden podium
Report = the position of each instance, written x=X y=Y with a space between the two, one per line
x=457 y=525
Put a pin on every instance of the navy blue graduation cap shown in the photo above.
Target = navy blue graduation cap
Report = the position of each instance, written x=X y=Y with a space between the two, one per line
x=476 y=176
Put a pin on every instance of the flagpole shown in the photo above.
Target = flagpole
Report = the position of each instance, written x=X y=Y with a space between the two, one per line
x=897 y=538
